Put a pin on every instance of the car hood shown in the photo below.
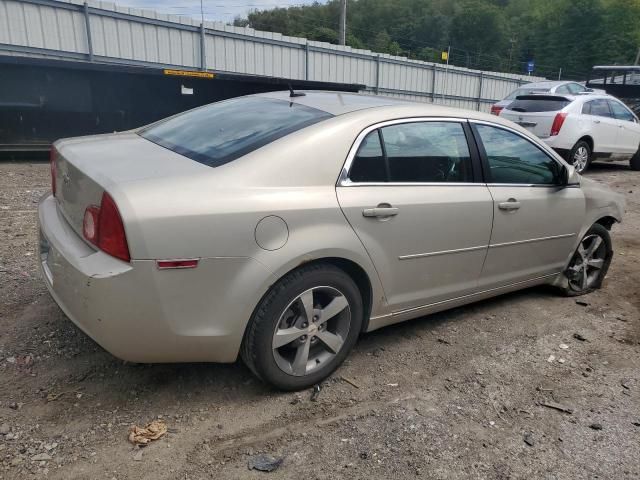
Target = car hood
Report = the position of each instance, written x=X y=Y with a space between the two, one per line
x=601 y=197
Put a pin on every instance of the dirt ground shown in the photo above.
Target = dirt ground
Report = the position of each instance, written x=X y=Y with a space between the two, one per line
x=460 y=394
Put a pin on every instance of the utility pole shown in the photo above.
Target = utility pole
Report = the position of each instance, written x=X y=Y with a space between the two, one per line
x=560 y=73
x=342 y=37
x=637 y=57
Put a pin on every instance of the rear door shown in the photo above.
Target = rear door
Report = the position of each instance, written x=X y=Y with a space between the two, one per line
x=409 y=191
x=628 y=128
x=604 y=128
x=535 y=221
x=536 y=112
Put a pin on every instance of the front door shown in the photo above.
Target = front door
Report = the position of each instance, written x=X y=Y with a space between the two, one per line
x=628 y=128
x=535 y=222
x=411 y=198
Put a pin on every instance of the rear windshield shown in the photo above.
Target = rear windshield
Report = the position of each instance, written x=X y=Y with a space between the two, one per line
x=221 y=132
x=538 y=105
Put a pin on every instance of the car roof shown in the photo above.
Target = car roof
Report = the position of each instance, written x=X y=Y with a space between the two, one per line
x=546 y=84
x=336 y=103
x=340 y=103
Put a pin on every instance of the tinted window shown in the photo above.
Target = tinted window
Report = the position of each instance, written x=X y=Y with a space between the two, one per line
x=538 y=104
x=512 y=159
x=621 y=112
x=427 y=152
x=599 y=108
x=369 y=162
x=576 y=88
x=221 y=132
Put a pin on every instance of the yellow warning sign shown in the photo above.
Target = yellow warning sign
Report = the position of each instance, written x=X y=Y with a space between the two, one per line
x=188 y=73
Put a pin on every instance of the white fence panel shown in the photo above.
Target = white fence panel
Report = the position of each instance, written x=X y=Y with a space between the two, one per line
x=98 y=31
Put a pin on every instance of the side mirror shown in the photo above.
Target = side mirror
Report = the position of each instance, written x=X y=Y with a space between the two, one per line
x=569 y=176
x=590 y=90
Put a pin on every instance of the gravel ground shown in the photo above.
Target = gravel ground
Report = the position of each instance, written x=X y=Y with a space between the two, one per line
x=460 y=394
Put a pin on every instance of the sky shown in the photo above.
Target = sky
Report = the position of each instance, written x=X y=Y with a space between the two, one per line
x=218 y=10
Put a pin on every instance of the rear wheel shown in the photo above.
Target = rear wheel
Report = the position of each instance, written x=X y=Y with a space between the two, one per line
x=634 y=163
x=590 y=262
x=580 y=156
x=304 y=327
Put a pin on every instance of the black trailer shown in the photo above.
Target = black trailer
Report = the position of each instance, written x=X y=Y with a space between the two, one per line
x=622 y=81
x=42 y=100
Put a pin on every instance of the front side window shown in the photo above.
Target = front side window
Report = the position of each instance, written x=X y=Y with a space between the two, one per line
x=415 y=152
x=599 y=108
x=224 y=131
x=621 y=112
x=513 y=159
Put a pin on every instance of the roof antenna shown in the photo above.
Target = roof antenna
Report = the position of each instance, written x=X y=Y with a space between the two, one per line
x=294 y=94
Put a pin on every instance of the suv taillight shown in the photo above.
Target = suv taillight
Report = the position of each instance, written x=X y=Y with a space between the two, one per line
x=557 y=123
x=52 y=161
x=496 y=109
x=103 y=227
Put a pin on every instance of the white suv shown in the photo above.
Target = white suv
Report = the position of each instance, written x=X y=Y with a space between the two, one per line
x=580 y=128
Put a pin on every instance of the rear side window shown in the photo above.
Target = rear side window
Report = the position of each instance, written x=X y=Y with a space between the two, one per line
x=224 y=131
x=415 y=152
x=599 y=108
x=538 y=104
x=621 y=112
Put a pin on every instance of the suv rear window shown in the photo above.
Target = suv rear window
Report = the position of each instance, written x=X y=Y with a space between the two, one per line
x=224 y=131
x=544 y=104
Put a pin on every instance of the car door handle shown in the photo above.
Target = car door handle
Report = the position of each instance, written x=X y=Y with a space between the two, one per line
x=596 y=121
x=511 y=204
x=381 y=211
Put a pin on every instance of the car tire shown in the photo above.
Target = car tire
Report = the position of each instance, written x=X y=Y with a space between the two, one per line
x=634 y=162
x=580 y=156
x=593 y=254
x=281 y=331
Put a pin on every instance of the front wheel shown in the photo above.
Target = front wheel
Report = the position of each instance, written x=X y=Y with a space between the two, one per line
x=590 y=262
x=304 y=327
x=580 y=156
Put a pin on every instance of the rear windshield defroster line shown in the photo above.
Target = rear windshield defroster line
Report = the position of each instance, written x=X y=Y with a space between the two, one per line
x=224 y=131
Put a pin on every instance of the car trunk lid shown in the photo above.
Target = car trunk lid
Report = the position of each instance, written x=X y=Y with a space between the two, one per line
x=86 y=167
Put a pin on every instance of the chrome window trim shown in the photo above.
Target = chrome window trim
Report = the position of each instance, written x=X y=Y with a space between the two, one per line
x=343 y=179
x=550 y=152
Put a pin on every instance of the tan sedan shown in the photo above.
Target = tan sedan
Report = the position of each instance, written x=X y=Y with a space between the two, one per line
x=281 y=227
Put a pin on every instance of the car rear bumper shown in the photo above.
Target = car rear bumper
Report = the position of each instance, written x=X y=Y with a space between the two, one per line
x=142 y=314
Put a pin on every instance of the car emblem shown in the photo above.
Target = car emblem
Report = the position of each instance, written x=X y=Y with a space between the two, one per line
x=520 y=118
x=66 y=179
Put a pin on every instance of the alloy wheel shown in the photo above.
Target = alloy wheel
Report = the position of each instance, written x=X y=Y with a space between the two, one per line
x=311 y=330
x=585 y=268
x=581 y=158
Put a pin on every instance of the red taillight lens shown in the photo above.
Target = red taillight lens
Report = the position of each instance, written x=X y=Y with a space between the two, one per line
x=103 y=227
x=496 y=109
x=52 y=161
x=557 y=123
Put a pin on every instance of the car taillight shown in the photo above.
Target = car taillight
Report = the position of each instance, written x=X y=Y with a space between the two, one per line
x=103 y=227
x=496 y=109
x=557 y=123
x=52 y=161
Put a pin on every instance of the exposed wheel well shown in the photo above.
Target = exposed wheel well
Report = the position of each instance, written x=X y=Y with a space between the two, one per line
x=589 y=140
x=607 y=222
x=359 y=276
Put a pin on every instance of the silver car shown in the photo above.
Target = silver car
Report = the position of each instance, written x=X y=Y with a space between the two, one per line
x=279 y=228
x=560 y=87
